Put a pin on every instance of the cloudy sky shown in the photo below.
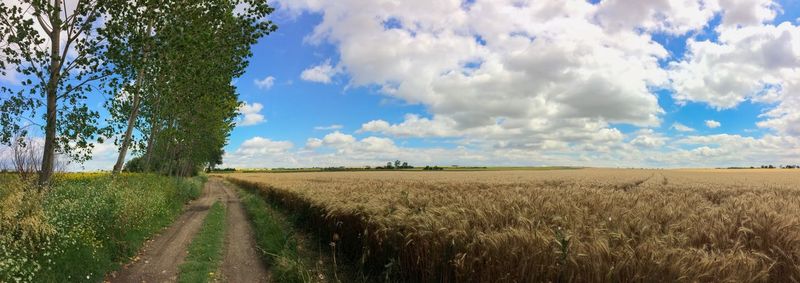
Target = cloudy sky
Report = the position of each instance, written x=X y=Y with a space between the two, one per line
x=629 y=83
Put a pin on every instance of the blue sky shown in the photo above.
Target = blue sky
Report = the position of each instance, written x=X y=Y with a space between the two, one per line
x=618 y=83
x=296 y=110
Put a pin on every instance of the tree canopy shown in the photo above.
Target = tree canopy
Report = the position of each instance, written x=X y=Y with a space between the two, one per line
x=163 y=67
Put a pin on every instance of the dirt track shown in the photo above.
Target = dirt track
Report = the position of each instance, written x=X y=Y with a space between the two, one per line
x=161 y=257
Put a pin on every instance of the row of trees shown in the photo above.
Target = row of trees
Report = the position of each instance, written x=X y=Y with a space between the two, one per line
x=163 y=67
x=779 y=166
x=397 y=164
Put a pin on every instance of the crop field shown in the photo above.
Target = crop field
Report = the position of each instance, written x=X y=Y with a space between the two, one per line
x=587 y=225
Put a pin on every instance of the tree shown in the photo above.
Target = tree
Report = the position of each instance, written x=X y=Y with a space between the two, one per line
x=132 y=43
x=53 y=47
x=397 y=164
x=389 y=165
x=405 y=165
x=185 y=121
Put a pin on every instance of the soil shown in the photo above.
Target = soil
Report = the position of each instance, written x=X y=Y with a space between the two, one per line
x=242 y=261
x=160 y=258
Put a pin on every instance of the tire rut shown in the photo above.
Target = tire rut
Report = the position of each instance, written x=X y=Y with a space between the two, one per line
x=242 y=260
x=160 y=258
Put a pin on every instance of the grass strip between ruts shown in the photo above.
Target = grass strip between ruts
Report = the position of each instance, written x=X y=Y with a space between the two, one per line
x=205 y=251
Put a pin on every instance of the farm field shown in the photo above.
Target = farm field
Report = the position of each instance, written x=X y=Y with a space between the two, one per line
x=587 y=225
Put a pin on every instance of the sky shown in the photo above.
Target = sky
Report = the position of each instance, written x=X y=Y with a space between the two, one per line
x=612 y=83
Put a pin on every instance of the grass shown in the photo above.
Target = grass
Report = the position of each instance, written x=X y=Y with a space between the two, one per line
x=591 y=225
x=205 y=251
x=275 y=240
x=85 y=225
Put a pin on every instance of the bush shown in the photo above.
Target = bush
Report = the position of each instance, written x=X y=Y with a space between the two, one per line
x=85 y=225
x=136 y=164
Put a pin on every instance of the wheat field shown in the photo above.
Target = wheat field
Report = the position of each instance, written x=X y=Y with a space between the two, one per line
x=589 y=225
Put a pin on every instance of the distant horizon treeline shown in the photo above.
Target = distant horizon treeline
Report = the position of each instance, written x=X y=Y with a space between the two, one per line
x=164 y=70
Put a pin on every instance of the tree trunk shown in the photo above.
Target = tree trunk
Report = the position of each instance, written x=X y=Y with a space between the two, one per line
x=150 y=144
x=48 y=156
x=126 y=141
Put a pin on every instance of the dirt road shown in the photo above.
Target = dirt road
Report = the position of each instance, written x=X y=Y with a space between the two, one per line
x=162 y=256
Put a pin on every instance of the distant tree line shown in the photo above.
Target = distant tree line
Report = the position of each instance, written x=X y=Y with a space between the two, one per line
x=164 y=66
x=780 y=166
x=397 y=164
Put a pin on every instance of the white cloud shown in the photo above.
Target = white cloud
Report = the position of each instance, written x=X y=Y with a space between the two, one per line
x=681 y=127
x=647 y=148
x=265 y=83
x=313 y=143
x=329 y=127
x=322 y=73
x=711 y=124
x=413 y=126
x=759 y=63
x=260 y=152
x=337 y=138
x=529 y=65
x=672 y=16
x=748 y=12
x=649 y=139
x=251 y=114
x=260 y=145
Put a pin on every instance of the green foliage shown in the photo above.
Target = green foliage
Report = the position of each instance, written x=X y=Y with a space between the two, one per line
x=54 y=49
x=159 y=49
x=205 y=251
x=147 y=57
x=136 y=164
x=274 y=238
x=85 y=226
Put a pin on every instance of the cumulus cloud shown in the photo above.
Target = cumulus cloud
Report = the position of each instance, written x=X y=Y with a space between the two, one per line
x=414 y=126
x=322 y=73
x=681 y=127
x=501 y=66
x=758 y=63
x=673 y=16
x=265 y=83
x=646 y=148
x=711 y=124
x=261 y=152
x=251 y=114
x=649 y=139
x=337 y=138
x=748 y=12
x=313 y=143
x=260 y=145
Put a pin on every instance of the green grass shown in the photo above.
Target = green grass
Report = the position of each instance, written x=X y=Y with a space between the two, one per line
x=205 y=251
x=85 y=225
x=274 y=239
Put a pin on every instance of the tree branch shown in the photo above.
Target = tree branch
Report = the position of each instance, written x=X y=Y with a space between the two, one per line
x=80 y=85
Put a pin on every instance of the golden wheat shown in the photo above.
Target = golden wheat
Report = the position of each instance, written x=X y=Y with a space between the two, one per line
x=592 y=225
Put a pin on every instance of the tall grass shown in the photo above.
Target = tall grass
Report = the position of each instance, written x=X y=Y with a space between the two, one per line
x=567 y=226
x=274 y=239
x=84 y=225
